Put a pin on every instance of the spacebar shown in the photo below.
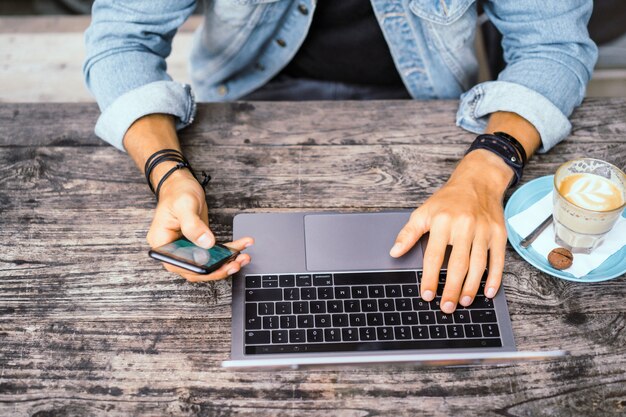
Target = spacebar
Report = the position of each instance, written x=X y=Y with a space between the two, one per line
x=364 y=278
x=366 y=346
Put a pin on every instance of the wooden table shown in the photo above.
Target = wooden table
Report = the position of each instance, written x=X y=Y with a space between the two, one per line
x=89 y=325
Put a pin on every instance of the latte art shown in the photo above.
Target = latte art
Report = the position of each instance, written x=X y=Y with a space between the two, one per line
x=591 y=192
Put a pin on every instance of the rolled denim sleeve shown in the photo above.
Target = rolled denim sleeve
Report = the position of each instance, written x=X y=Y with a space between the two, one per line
x=550 y=59
x=127 y=43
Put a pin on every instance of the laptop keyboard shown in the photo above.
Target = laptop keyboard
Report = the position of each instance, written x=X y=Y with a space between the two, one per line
x=359 y=311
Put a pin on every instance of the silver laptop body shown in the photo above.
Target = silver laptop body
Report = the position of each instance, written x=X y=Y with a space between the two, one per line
x=321 y=244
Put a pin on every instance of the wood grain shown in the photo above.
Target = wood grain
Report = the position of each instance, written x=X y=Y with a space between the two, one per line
x=90 y=326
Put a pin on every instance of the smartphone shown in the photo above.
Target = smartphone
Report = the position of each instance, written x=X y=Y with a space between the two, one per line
x=185 y=254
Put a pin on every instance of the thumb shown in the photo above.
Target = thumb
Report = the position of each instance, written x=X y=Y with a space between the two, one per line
x=194 y=228
x=408 y=236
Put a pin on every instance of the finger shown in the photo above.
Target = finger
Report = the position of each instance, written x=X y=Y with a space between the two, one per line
x=194 y=228
x=433 y=258
x=240 y=244
x=478 y=262
x=457 y=269
x=409 y=234
x=497 y=251
x=159 y=234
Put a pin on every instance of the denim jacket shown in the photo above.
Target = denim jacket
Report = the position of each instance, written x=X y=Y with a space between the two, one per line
x=242 y=44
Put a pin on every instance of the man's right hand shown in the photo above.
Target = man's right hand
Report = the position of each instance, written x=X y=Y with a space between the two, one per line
x=182 y=211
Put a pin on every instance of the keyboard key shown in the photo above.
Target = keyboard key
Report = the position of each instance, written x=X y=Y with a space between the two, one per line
x=266 y=309
x=427 y=317
x=283 y=308
x=264 y=295
x=461 y=316
x=301 y=307
x=325 y=293
x=340 y=320
x=287 y=281
x=349 y=335
x=303 y=280
x=342 y=292
x=443 y=318
x=367 y=333
x=437 y=332
x=483 y=316
x=270 y=322
x=402 y=332
x=369 y=305
x=410 y=291
x=393 y=291
x=420 y=332
x=455 y=331
x=376 y=291
x=436 y=344
x=253 y=281
x=334 y=306
x=332 y=335
x=288 y=322
x=253 y=321
x=352 y=306
x=440 y=287
x=322 y=280
x=403 y=304
x=473 y=330
x=419 y=304
x=386 y=304
x=392 y=319
x=357 y=320
x=314 y=335
x=270 y=284
x=482 y=302
x=317 y=307
x=435 y=304
x=370 y=278
x=409 y=318
x=375 y=319
x=297 y=336
x=322 y=320
x=305 y=321
x=308 y=293
x=359 y=292
x=280 y=336
x=257 y=337
x=291 y=294
x=384 y=333
x=491 y=330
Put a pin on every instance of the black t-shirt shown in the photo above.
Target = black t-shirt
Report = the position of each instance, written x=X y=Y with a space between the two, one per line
x=345 y=43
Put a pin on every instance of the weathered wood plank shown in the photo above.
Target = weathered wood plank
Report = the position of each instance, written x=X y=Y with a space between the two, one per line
x=90 y=325
x=308 y=123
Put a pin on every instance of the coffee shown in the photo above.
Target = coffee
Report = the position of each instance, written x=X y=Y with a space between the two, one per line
x=591 y=192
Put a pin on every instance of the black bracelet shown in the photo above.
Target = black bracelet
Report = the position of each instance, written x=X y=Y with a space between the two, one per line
x=507 y=149
x=174 y=156
x=515 y=142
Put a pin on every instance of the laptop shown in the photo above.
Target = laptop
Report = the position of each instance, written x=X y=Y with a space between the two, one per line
x=322 y=290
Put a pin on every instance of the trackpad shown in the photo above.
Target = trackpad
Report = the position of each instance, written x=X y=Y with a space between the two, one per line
x=339 y=242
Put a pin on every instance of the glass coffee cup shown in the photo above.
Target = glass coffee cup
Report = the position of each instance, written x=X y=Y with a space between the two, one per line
x=589 y=196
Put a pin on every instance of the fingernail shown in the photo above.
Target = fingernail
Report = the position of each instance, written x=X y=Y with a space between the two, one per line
x=244 y=262
x=491 y=292
x=428 y=295
x=247 y=245
x=395 y=250
x=232 y=271
x=205 y=241
x=465 y=301
x=448 y=307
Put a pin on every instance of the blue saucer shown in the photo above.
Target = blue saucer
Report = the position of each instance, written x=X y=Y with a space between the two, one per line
x=526 y=196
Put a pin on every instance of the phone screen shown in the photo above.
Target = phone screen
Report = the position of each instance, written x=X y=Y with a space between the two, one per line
x=190 y=253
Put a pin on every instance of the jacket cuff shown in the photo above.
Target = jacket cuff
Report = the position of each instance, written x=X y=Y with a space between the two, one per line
x=492 y=96
x=166 y=97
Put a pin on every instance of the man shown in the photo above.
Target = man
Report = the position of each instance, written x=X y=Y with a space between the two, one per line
x=286 y=49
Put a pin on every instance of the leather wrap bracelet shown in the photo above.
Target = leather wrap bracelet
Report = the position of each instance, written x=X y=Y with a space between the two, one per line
x=506 y=147
x=172 y=155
